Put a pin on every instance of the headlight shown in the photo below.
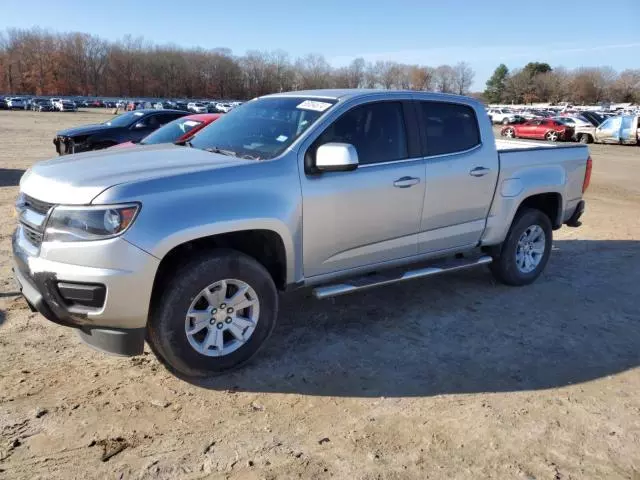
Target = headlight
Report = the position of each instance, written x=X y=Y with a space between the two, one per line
x=79 y=224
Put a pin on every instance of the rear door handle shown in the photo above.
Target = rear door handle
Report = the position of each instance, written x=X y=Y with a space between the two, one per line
x=406 y=182
x=479 y=171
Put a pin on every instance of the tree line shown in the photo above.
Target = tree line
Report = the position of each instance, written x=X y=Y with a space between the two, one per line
x=538 y=82
x=40 y=62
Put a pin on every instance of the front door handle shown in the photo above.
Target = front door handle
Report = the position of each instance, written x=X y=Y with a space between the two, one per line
x=406 y=182
x=479 y=171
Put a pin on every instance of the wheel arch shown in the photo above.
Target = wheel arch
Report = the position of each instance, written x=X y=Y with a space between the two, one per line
x=265 y=246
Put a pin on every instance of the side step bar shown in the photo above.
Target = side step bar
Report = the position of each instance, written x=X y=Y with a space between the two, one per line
x=376 y=280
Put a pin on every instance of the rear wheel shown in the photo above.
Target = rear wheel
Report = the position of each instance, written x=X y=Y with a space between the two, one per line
x=213 y=315
x=585 y=138
x=552 y=136
x=505 y=121
x=525 y=252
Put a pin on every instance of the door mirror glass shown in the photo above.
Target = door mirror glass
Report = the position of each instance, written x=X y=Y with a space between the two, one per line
x=336 y=157
x=139 y=125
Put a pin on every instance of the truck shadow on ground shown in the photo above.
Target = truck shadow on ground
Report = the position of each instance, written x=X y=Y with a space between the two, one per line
x=460 y=333
x=10 y=177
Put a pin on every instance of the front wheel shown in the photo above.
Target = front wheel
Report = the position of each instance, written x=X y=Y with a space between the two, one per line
x=525 y=252
x=213 y=315
x=505 y=121
x=585 y=138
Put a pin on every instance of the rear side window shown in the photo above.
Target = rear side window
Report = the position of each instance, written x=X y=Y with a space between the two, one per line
x=449 y=127
x=376 y=130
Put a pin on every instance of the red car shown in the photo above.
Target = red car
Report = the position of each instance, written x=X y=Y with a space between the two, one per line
x=546 y=129
x=179 y=130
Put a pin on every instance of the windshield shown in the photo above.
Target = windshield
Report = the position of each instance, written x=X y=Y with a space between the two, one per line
x=262 y=128
x=171 y=132
x=125 y=119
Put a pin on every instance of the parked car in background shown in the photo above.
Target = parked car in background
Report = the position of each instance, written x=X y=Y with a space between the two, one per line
x=41 y=105
x=593 y=117
x=178 y=131
x=338 y=190
x=181 y=105
x=623 y=130
x=130 y=126
x=504 y=116
x=223 y=107
x=3 y=103
x=54 y=103
x=15 y=103
x=65 y=105
x=197 y=107
x=547 y=129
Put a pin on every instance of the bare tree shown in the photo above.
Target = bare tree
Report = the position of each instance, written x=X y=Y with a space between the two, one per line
x=421 y=78
x=444 y=77
x=463 y=76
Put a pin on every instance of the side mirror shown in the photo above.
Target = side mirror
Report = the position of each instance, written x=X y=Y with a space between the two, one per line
x=139 y=125
x=336 y=157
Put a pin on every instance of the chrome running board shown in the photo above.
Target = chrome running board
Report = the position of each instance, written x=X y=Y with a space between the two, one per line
x=384 y=278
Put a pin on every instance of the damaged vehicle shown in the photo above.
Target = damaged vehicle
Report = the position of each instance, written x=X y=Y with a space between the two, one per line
x=128 y=127
x=623 y=130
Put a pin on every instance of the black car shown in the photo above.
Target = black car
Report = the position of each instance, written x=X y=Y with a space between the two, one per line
x=3 y=104
x=128 y=127
x=40 y=105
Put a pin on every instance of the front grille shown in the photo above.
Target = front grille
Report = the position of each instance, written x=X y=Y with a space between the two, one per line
x=33 y=228
x=37 y=205
x=34 y=237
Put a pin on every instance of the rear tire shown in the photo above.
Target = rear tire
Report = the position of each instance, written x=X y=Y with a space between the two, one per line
x=505 y=121
x=192 y=357
x=585 y=138
x=551 y=136
x=530 y=232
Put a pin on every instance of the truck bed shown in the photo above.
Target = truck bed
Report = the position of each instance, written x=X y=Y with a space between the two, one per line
x=509 y=145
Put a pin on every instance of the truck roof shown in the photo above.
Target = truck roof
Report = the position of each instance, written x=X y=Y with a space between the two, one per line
x=346 y=93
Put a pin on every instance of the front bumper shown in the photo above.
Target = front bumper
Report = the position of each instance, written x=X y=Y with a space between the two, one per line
x=127 y=273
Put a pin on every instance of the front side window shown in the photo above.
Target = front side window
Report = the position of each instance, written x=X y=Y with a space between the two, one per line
x=449 y=127
x=376 y=130
x=262 y=129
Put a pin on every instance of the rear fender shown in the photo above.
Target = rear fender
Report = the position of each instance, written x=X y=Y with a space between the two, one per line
x=513 y=191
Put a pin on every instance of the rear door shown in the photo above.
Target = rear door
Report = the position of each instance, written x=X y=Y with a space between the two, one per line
x=461 y=175
x=372 y=214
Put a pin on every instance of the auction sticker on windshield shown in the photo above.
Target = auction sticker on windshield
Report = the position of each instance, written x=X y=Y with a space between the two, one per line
x=314 y=105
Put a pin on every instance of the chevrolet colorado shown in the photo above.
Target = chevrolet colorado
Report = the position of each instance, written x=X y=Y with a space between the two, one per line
x=187 y=246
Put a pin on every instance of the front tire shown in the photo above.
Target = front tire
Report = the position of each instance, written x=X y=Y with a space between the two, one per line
x=213 y=315
x=552 y=136
x=526 y=250
x=585 y=138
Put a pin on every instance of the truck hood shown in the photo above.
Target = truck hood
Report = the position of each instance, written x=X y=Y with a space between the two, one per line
x=78 y=179
x=85 y=130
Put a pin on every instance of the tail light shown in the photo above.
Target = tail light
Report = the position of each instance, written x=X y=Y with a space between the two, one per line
x=587 y=175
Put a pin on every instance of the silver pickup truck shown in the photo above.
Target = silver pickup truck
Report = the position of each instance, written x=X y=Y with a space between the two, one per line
x=187 y=246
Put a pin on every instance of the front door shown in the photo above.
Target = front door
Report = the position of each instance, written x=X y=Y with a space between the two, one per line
x=369 y=215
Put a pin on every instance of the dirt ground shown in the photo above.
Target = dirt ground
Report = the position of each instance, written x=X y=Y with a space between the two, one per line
x=450 y=377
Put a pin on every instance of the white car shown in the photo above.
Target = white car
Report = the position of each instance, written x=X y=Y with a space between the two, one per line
x=197 y=107
x=223 y=107
x=504 y=116
x=15 y=102
x=67 y=106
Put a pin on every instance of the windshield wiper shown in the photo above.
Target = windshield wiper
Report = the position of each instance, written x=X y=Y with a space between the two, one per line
x=221 y=151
